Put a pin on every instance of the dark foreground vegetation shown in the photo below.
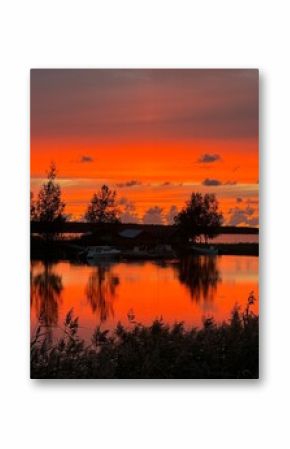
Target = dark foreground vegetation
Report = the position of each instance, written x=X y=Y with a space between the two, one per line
x=216 y=351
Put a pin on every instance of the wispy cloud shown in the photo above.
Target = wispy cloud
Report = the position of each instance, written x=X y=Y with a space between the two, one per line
x=154 y=215
x=86 y=159
x=128 y=214
x=211 y=182
x=131 y=183
x=246 y=216
x=173 y=211
x=217 y=182
x=207 y=158
x=230 y=183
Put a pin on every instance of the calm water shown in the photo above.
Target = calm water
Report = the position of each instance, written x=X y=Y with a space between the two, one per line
x=104 y=294
x=236 y=238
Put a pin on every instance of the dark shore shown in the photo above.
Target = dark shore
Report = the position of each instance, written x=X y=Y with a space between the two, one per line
x=70 y=249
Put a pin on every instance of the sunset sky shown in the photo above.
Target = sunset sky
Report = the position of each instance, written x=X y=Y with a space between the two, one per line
x=155 y=136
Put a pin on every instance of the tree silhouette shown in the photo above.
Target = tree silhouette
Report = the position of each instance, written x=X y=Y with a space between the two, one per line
x=101 y=290
x=46 y=289
x=200 y=274
x=200 y=216
x=49 y=205
x=103 y=207
x=33 y=215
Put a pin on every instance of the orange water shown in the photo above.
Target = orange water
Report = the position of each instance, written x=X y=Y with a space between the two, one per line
x=104 y=294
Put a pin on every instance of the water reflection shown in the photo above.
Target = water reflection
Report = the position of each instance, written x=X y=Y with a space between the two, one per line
x=46 y=289
x=179 y=290
x=200 y=275
x=101 y=290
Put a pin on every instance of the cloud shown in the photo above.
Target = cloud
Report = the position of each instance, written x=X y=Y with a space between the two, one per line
x=217 y=182
x=74 y=103
x=230 y=183
x=166 y=183
x=153 y=215
x=128 y=214
x=131 y=183
x=250 y=210
x=211 y=182
x=208 y=158
x=244 y=216
x=253 y=221
x=129 y=217
x=239 y=200
x=173 y=211
x=86 y=159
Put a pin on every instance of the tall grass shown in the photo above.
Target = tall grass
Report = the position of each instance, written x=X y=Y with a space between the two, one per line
x=215 y=351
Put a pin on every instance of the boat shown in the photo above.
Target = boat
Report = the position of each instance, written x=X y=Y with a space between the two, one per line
x=211 y=251
x=101 y=252
x=157 y=252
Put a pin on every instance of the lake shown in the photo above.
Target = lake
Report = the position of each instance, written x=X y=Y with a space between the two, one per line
x=177 y=290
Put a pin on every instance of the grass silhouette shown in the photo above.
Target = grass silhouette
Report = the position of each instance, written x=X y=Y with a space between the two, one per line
x=229 y=350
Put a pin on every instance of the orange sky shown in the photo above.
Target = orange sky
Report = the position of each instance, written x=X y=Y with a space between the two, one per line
x=153 y=135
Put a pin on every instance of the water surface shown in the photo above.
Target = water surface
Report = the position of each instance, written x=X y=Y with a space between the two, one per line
x=178 y=290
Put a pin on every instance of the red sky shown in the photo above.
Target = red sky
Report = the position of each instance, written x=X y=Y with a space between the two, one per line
x=153 y=135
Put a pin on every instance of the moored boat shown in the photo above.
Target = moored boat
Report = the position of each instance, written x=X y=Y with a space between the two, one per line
x=206 y=251
x=101 y=252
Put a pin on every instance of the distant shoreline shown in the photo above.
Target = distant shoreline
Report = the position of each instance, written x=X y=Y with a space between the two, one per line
x=67 y=250
x=83 y=227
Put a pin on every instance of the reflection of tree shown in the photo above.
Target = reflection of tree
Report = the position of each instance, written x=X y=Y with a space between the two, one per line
x=101 y=290
x=200 y=275
x=46 y=288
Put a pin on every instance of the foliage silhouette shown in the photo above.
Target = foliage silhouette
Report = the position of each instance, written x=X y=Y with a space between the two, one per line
x=49 y=206
x=200 y=275
x=101 y=290
x=199 y=217
x=46 y=289
x=227 y=350
x=103 y=207
x=33 y=215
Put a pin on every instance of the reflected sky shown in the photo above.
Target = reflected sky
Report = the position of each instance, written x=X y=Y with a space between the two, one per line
x=185 y=290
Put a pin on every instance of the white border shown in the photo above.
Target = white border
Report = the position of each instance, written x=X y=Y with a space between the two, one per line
x=144 y=34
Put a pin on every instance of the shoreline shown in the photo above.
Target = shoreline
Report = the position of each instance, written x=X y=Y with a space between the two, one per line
x=69 y=250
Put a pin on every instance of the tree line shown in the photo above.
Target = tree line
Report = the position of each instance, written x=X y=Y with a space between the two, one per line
x=199 y=216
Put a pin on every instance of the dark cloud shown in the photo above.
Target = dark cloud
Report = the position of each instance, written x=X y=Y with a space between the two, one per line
x=128 y=213
x=86 y=159
x=131 y=183
x=252 y=201
x=244 y=217
x=211 y=182
x=144 y=104
x=253 y=221
x=250 y=210
x=173 y=211
x=154 y=215
x=217 y=182
x=230 y=183
x=208 y=158
x=166 y=183
x=239 y=200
